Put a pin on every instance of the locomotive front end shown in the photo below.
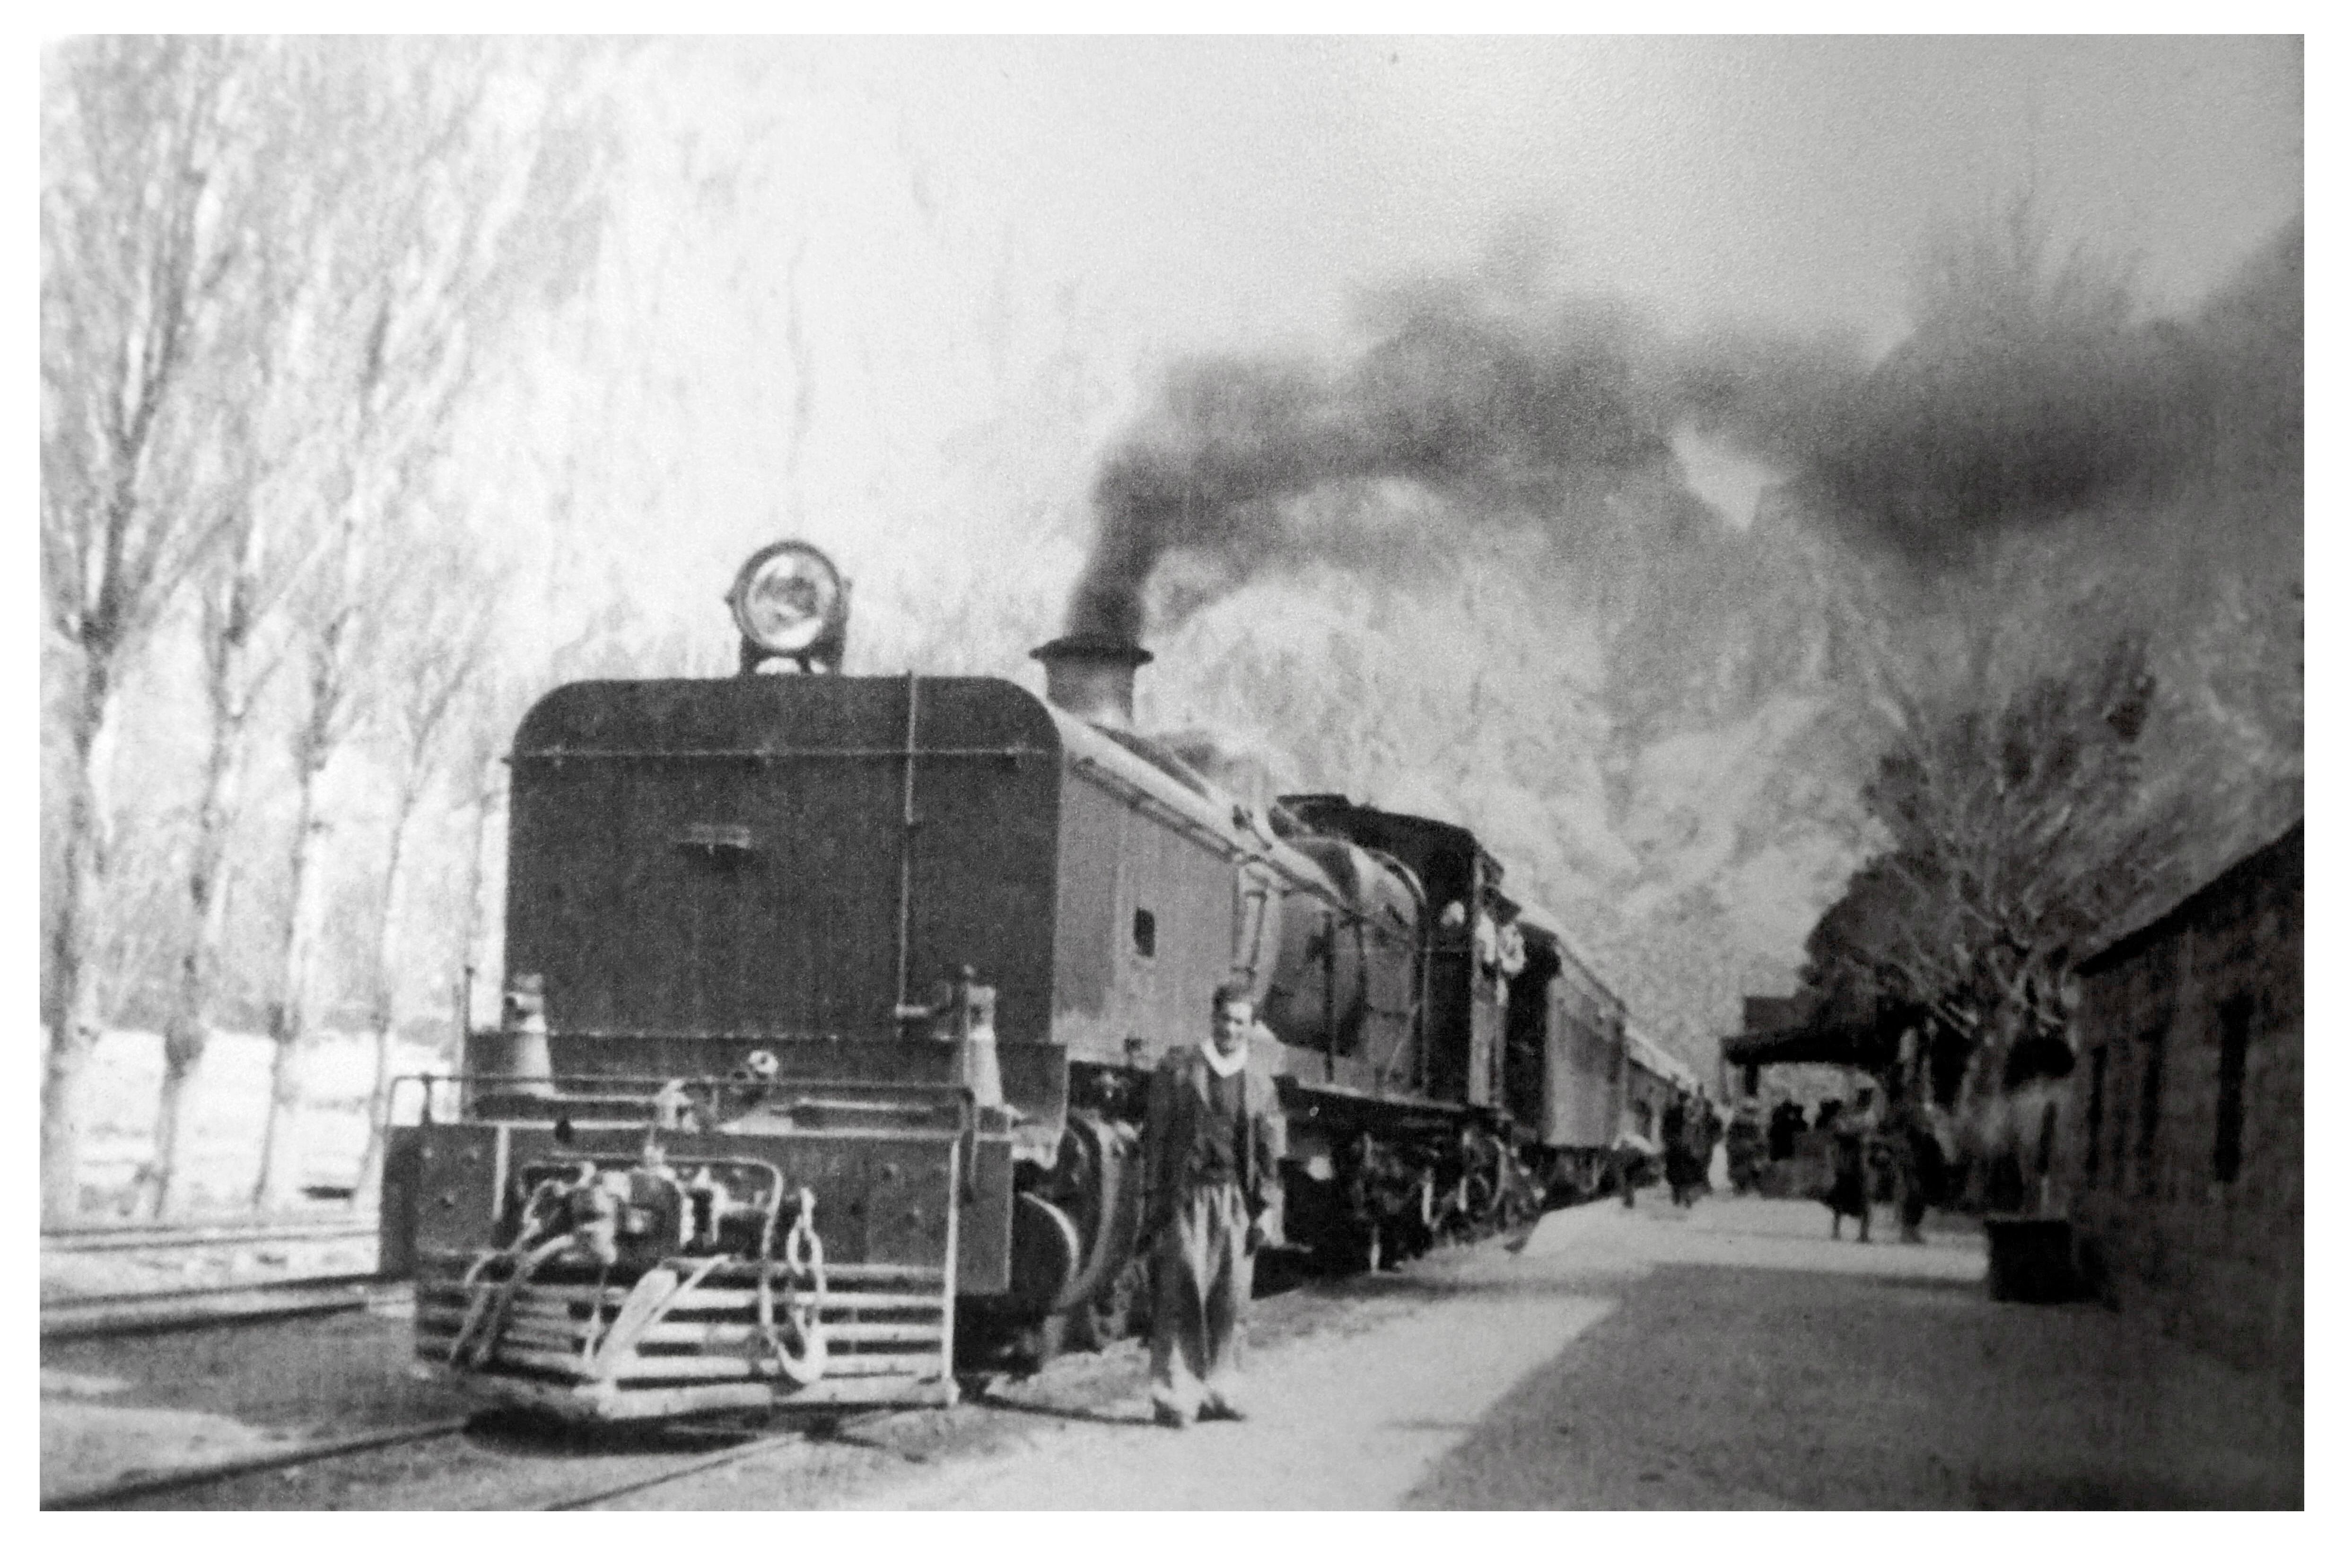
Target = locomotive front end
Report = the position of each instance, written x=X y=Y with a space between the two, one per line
x=746 y=1135
x=633 y=1271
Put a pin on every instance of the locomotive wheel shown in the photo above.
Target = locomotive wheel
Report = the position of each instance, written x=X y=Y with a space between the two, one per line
x=1475 y=1206
x=1518 y=1208
x=1107 y=1317
x=1037 y=1345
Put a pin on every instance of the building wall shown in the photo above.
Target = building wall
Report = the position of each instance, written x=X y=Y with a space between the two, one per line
x=2177 y=1215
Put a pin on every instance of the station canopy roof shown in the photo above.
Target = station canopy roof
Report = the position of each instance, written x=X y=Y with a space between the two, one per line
x=1807 y=1027
x=1838 y=1047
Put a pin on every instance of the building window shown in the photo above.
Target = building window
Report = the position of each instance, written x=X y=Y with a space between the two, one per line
x=1143 y=933
x=2238 y=1016
x=2152 y=1105
x=2095 y=1109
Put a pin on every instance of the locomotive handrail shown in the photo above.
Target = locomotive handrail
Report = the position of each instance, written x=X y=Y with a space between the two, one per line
x=909 y=842
x=789 y=1092
x=759 y=1037
x=1196 y=829
x=660 y=1079
x=771 y=754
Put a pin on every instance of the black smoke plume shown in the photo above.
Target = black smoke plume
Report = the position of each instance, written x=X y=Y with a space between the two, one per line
x=1453 y=398
x=2029 y=390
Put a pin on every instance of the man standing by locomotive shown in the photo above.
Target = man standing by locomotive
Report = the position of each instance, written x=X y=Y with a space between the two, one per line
x=1211 y=1154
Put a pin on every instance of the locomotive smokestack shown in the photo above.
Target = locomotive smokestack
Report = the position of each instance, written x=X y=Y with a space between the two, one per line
x=1090 y=676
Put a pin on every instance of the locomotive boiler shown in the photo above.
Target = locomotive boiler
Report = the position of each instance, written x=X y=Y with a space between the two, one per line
x=830 y=1004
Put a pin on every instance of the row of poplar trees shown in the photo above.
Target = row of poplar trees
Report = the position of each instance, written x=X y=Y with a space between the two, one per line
x=275 y=278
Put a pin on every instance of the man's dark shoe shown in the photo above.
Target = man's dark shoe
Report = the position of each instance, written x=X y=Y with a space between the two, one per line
x=1178 y=1420
x=1220 y=1410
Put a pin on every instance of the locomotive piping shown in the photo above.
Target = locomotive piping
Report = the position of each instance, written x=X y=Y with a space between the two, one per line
x=904 y=864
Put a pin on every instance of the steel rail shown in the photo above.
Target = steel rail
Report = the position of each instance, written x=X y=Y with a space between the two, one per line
x=210 y=1306
x=734 y=1455
x=1013 y=752
x=156 y=1485
x=164 y=1238
x=136 y=1487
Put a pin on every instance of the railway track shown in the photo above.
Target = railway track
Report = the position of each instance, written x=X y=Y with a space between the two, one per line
x=747 y=1449
x=165 y=1311
x=185 y=1237
x=137 y=1488
x=245 y=1258
x=180 y=1484
x=483 y=1462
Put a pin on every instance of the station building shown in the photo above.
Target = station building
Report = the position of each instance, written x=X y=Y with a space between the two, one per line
x=2186 y=1182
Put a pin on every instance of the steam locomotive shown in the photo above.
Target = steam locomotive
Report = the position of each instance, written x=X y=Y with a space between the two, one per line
x=831 y=1002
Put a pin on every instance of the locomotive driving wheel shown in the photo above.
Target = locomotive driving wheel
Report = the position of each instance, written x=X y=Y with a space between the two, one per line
x=1476 y=1201
x=1113 y=1313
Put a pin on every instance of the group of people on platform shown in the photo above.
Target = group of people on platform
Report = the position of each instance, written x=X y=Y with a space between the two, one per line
x=1690 y=1131
x=1880 y=1154
x=1215 y=1136
x=1850 y=1156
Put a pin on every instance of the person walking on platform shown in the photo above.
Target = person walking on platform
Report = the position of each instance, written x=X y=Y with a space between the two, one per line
x=1918 y=1164
x=1680 y=1160
x=1210 y=1159
x=1631 y=1160
x=1710 y=1133
x=1850 y=1194
x=1745 y=1148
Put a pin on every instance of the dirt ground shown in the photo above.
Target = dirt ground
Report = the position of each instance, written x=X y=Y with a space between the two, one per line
x=1732 y=1358
x=114 y=1407
x=1748 y=1369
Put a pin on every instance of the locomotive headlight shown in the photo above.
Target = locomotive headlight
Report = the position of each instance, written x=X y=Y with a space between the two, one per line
x=789 y=600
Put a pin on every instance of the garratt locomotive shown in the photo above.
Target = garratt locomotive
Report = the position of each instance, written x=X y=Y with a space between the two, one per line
x=830 y=1004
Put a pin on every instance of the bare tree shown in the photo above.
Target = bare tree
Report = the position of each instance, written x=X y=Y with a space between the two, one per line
x=239 y=656
x=328 y=705
x=469 y=214
x=444 y=633
x=2022 y=829
x=150 y=326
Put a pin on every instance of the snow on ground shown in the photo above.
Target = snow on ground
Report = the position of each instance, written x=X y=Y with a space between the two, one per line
x=67 y=1276
x=226 y=1110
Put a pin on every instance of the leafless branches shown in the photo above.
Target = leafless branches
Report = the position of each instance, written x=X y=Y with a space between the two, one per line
x=2023 y=826
x=273 y=274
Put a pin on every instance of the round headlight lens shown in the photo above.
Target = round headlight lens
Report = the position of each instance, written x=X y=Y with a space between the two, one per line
x=786 y=597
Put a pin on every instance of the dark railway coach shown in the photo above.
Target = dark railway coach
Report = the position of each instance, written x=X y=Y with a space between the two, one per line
x=830 y=1002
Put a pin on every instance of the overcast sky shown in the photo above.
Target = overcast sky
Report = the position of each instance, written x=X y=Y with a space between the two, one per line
x=951 y=207
x=1243 y=183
